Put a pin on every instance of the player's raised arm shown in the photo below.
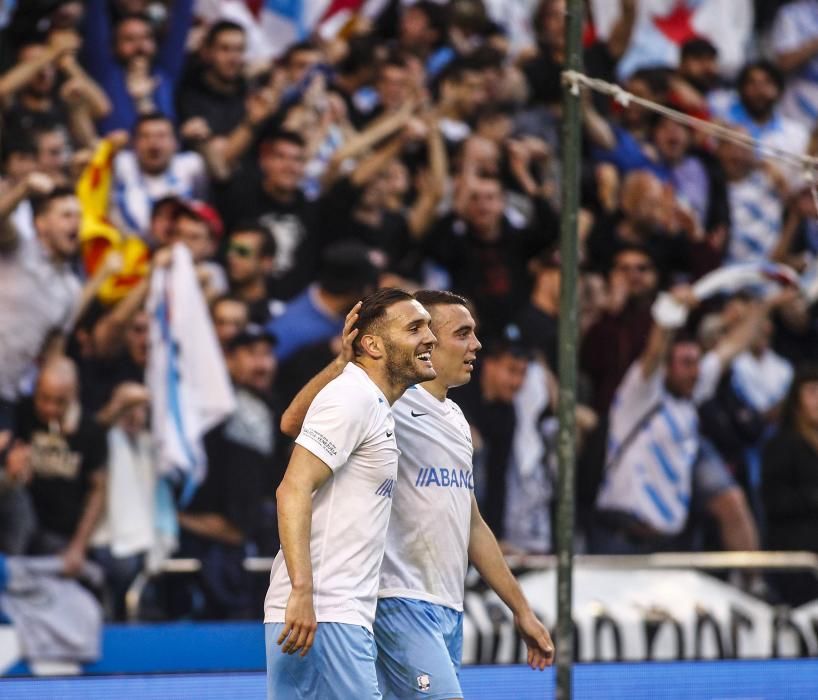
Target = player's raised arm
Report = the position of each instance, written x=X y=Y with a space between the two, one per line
x=305 y=474
x=485 y=554
x=293 y=418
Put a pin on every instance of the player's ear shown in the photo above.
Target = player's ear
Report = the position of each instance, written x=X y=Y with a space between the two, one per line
x=372 y=345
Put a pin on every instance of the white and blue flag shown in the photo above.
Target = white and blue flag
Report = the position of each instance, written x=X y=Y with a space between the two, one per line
x=186 y=374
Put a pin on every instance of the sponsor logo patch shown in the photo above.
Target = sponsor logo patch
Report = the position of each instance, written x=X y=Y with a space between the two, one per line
x=327 y=444
x=385 y=489
x=448 y=478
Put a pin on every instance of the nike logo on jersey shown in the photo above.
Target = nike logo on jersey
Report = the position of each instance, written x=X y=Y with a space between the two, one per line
x=417 y=415
x=390 y=433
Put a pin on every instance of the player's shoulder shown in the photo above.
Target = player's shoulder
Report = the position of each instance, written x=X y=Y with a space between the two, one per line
x=458 y=418
x=352 y=388
x=414 y=406
x=454 y=408
x=413 y=396
x=417 y=398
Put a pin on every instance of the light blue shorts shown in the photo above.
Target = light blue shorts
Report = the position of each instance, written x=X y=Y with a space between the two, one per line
x=339 y=666
x=419 y=649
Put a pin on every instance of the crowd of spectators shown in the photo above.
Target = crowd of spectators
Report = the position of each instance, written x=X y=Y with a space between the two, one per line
x=417 y=148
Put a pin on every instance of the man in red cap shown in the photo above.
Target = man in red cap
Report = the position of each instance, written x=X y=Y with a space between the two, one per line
x=199 y=227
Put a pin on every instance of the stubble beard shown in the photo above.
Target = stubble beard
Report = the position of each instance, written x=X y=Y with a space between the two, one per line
x=400 y=365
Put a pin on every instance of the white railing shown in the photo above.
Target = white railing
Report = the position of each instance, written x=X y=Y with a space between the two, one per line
x=702 y=561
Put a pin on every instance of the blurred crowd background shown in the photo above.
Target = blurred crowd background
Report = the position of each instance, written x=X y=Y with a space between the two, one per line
x=306 y=154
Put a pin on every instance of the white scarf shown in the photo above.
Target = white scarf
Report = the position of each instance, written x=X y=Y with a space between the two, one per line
x=186 y=374
x=128 y=524
x=669 y=313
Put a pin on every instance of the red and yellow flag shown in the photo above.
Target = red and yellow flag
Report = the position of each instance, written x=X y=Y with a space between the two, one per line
x=99 y=237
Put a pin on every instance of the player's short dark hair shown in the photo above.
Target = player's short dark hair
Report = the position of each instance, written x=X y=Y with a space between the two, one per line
x=223 y=25
x=440 y=297
x=373 y=310
x=699 y=47
x=41 y=203
x=268 y=243
x=429 y=298
x=768 y=67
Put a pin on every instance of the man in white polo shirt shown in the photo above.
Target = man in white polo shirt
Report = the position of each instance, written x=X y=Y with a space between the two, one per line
x=333 y=510
x=436 y=526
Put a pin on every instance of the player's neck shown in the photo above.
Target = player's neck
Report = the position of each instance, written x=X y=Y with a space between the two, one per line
x=436 y=388
x=381 y=378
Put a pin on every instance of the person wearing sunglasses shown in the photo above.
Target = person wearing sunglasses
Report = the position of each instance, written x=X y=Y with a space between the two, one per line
x=250 y=261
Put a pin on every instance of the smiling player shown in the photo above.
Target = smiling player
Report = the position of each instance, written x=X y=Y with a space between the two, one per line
x=435 y=526
x=333 y=509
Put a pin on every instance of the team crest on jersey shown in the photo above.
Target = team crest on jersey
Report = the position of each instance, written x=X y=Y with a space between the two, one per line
x=424 y=682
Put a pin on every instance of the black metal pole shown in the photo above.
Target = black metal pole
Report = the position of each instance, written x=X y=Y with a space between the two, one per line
x=569 y=254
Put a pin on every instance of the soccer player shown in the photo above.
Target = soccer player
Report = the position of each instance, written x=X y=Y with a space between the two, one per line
x=333 y=510
x=436 y=526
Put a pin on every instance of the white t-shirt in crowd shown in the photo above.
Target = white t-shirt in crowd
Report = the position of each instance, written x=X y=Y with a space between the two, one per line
x=37 y=295
x=428 y=538
x=349 y=426
x=135 y=192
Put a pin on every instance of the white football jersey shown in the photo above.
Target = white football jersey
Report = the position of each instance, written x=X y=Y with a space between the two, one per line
x=653 y=440
x=349 y=426
x=428 y=537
